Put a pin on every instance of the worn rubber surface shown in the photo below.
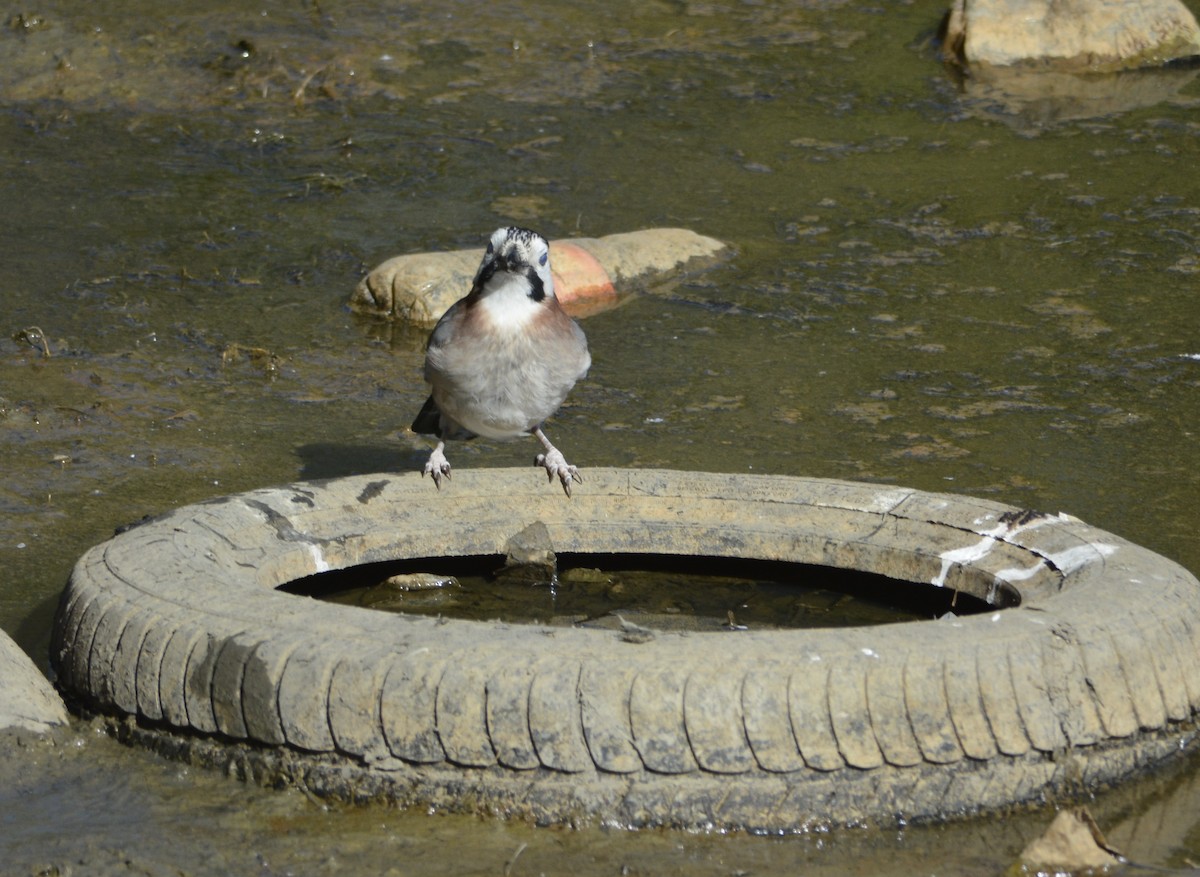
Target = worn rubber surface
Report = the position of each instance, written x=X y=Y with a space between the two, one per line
x=177 y=626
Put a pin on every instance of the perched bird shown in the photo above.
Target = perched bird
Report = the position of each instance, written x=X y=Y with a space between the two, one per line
x=503 y=358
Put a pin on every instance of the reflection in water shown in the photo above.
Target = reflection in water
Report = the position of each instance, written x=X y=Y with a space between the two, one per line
x=1032 y=100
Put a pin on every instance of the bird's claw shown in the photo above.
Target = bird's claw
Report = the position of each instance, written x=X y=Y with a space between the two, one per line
x=556 y=464
x=437 y=468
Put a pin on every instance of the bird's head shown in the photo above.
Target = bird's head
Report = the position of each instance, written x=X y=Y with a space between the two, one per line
x=515 y=254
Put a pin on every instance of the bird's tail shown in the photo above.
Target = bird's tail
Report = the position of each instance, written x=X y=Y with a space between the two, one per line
x=429 y=420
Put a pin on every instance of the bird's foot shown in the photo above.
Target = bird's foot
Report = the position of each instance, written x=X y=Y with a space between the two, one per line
x=437 y=467
x=556 y=464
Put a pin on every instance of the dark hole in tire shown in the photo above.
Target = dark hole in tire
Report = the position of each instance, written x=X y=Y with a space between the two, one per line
x=654 y=591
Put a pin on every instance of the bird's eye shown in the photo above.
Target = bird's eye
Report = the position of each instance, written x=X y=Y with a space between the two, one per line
x=542 y=261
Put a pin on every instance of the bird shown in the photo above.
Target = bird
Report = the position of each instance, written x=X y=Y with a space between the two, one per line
x=503 y=358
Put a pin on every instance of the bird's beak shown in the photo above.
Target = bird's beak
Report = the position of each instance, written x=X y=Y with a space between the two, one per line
x=501 y=262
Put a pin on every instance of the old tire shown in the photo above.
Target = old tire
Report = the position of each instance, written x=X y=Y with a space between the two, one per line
x=175 y=627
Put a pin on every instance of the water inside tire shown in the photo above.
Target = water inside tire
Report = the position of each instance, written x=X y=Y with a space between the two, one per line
x=639 y=591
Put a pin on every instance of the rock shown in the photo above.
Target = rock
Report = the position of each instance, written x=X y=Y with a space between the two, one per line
x=417 y=591
x=1073 y=842
x=529 y=556
x=418 y=581
x=418 y=288
x=27 y=699
x=1091 y=36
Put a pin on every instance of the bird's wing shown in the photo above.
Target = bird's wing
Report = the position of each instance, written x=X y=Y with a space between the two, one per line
x=443 y=333
x=430 y=420
x=585 y=357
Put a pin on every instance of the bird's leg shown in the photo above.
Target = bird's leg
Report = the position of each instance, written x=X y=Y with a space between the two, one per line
x=555 y=463
x=438 y=466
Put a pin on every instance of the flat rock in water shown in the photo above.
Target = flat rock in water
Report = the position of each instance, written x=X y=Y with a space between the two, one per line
x=418 y=288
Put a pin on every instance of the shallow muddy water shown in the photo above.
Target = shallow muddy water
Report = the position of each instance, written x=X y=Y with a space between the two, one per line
x=706 y=595
x=929 y=287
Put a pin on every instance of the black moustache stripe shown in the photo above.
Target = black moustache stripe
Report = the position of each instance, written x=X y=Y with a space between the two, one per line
x=537 y=291
x=486 y=273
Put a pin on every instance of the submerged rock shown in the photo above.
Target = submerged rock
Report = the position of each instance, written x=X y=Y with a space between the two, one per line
x=1073 y=843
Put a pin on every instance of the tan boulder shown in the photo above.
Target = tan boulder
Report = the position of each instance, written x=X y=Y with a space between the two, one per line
x=1077 y=35
x=28 y=701
x=417 y=288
